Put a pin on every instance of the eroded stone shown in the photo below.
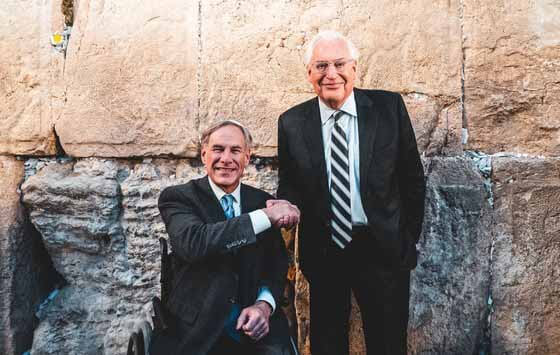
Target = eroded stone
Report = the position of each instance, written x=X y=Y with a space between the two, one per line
x=525 y=282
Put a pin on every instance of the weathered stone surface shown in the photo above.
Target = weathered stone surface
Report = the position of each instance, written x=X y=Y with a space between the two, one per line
x=256 y=72
x=29 y=70
x=525 y=271
x=25 y=272
x=449 y=288
x=512 y=75
x=101 y=226
x=131 y=79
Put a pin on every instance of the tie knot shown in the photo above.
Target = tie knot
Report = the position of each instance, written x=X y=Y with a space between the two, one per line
x=337 y=115
x=227 y=204
x=227 y=200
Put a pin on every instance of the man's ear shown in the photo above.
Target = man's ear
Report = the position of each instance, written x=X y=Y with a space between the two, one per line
x=203 y=153
x=248 y=157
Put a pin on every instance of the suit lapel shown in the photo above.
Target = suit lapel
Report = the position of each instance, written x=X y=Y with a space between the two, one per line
x=209 y=200
x=367 y=126
x=313 y=135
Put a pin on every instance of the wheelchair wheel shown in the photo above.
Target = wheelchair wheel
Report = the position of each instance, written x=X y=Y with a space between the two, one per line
x=136 y=344
x=145 y=329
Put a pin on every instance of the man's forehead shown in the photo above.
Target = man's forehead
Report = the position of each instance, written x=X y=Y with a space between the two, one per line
x=227 y=136
x=330 y=47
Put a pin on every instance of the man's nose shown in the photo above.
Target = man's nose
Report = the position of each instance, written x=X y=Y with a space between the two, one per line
x=331 y=71
x=226 y=156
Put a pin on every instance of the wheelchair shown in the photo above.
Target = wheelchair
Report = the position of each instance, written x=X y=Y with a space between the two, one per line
x=139 y=340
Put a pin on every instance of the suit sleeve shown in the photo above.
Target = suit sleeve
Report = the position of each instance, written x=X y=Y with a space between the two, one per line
x=191 y=238
x=411 y=174
x=276 y=265
x=287 y=189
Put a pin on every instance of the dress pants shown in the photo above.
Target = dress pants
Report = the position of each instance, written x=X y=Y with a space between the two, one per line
x=227 y=346
x=381 y=293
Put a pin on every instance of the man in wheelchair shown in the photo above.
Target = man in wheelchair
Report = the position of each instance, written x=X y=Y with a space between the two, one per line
x=228 y=259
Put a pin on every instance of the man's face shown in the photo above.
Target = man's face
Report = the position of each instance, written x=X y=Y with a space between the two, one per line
x=225 y=156
x=333 y=86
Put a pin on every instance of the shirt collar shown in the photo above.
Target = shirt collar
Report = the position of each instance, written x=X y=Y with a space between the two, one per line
x=220 y=193
x=349 y=107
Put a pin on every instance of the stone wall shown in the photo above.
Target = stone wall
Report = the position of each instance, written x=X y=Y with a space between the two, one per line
x=97 y=118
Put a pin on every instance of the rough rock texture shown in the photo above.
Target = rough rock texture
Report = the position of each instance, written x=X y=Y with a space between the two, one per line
x=25 y=271
x=256 y=71
x=525 y=271
x=450 y=286
x=29 y=69
x=512 y=75
x=101 y=226
x=131 y=79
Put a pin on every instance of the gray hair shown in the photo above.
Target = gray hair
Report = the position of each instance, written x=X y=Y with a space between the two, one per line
x=329 y=36
x=207 y=132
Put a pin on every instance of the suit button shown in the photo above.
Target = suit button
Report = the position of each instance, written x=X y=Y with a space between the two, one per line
x=231 y=300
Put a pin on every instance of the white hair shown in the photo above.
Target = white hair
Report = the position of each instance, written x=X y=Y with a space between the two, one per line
x=329 y=36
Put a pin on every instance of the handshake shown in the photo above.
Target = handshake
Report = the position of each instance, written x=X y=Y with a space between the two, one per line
x=281 y=213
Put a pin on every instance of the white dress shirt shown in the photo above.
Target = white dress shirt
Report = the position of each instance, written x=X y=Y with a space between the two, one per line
x=349 y=123
x=260 y=223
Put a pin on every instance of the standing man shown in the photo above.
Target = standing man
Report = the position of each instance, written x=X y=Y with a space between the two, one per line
x=230 y=264
x=348 y=159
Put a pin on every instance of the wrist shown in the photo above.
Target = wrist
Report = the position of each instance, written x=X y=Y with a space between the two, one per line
x=265 y=307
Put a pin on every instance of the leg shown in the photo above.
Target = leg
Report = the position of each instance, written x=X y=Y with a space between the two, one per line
x=383 y=297
x=330 y=309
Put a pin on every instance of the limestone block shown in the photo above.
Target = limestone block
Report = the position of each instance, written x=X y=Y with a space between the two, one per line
x=131 y=79
x=251 y=59
x=29 y=74
x=449 y=287
x=11 y=221
x=101 y=225
x=512 y=75
x=525 y=282
x=25 y=270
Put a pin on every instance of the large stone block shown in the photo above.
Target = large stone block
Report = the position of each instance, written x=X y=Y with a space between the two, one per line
x=512 y=75
x=29 y=74
x=450 y=286
x=252 y=69
x=101 y=226
x=525 y=271
x=131 y=79
x=25 y=270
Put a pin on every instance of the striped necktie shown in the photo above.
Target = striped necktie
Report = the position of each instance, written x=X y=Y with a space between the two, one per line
x=341 y=207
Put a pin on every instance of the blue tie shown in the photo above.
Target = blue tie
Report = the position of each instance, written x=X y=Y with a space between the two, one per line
x=227 y=204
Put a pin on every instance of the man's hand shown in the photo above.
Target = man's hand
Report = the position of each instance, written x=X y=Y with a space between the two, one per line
x=282 y=213
x=253 y=320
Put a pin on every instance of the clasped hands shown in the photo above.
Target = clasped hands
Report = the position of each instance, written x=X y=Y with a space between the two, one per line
x=282 y=213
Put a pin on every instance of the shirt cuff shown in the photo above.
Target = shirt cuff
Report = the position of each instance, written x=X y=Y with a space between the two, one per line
x=266 y=295
x=260 y=221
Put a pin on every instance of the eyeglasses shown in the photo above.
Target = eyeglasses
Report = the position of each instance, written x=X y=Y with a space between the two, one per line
x=323 y=66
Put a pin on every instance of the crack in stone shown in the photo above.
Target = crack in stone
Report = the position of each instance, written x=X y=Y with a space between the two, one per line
x=59 y=149
x=463 y=59
x=199 y=67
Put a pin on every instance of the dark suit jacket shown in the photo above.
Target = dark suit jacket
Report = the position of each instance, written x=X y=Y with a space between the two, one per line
x=205 y=281
x=392 y=183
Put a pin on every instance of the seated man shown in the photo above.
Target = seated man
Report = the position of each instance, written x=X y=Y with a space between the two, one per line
x=231 y=264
